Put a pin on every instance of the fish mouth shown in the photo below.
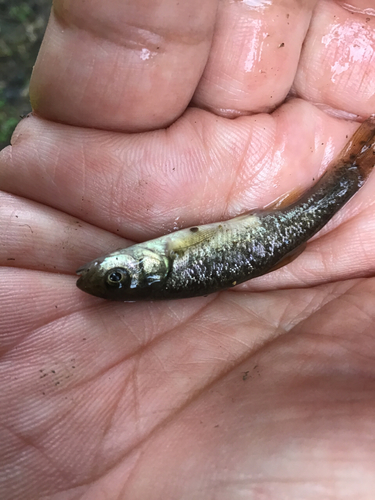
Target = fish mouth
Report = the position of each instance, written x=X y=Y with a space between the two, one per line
x=90 y=278
x=84 y=282
x=88 y=266
x=82 y=269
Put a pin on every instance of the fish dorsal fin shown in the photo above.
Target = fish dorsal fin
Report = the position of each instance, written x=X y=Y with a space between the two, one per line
x=284 y=200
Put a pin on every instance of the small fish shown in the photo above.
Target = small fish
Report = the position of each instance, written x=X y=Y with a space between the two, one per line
x=205 y=259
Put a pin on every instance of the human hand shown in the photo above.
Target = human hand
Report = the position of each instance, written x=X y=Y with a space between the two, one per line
x=265 y=391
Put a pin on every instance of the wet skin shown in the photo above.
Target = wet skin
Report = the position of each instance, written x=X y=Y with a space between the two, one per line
x=265 y=390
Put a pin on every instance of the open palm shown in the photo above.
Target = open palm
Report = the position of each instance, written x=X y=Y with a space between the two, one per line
x=266 y=391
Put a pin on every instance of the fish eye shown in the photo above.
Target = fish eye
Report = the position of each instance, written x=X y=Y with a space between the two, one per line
x=117 y=277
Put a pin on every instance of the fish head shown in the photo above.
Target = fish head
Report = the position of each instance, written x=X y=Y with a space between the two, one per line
x=134 y=273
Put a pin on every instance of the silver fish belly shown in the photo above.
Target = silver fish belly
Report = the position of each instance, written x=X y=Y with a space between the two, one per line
x=205 y=259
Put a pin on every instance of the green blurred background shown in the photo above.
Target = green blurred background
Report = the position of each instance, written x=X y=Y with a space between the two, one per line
x=22 y=25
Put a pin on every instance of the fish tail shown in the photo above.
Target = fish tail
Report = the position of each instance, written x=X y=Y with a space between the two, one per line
x=360 y=150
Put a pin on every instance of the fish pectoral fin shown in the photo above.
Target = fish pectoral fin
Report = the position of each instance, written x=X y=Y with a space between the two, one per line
x=284 y=200
x=290 y=257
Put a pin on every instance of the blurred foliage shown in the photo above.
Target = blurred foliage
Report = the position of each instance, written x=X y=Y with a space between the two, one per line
x=22 y=25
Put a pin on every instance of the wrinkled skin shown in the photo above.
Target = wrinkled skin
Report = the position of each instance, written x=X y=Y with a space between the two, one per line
x=265 y=392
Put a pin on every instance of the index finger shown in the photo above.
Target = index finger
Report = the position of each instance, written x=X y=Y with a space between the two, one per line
x=121 y=65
